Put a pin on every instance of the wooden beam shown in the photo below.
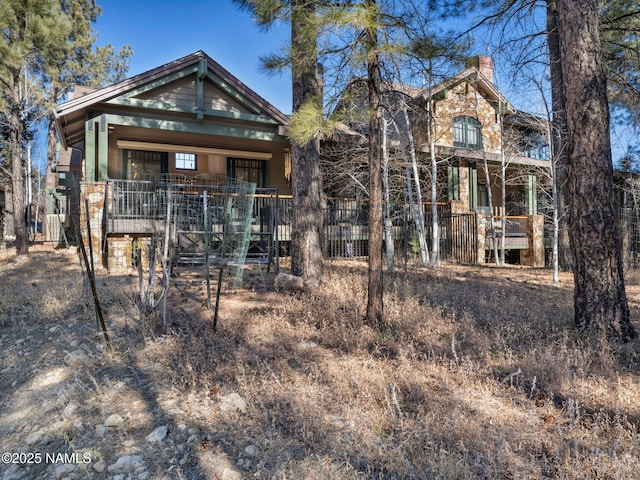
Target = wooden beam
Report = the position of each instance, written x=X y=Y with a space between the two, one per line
x=193 y=127
x=166 y=147
x=202 y=73
x=167 y=107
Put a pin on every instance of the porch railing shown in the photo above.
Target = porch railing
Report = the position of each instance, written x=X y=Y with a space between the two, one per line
x=139 y=206
x=514 y=226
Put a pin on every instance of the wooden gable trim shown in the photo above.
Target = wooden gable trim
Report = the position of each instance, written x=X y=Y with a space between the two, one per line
x=201 y=71
x=164 y=106
x=70 y=116
x=157 y=83
x=192 y=127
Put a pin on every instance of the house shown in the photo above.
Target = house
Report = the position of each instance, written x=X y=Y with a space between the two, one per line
x=476 y=132
x=183 y=126
x=187 y=122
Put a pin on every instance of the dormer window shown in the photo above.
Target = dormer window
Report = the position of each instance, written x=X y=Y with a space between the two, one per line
x=467 y=133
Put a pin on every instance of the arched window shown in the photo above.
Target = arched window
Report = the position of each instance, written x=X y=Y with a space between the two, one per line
x=467 y=133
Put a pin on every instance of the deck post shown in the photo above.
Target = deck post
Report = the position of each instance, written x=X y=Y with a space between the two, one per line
x=482 y=231
x=534 y=254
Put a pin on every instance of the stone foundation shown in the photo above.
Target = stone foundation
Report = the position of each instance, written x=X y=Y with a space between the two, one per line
x=120 y=255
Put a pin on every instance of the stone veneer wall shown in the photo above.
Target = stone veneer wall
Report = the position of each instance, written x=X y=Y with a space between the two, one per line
x=482 y=232
x=93 y=193
x=120 y=255
x=534 y=255
x=464 y=99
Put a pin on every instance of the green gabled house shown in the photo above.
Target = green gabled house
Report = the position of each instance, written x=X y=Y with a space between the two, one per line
x=189 y=106
x=187 y=119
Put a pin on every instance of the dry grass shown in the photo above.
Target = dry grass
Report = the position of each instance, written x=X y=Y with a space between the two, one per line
x=478 y=375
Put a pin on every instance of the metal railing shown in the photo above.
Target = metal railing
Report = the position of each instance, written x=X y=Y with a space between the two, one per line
x=345 y=232
x=514 y=226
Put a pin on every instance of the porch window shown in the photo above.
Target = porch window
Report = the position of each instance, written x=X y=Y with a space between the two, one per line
x=186 y=161
x=254 y=171
x=483 y=199
x=467 y=133
x=138 y=164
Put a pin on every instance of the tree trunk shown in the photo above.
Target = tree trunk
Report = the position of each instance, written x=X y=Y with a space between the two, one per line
x=599 y=294
x=306 y=178
x=374 y=315
x=50 y=176
x=17 y=170
x=559 y=137
x=388 y=225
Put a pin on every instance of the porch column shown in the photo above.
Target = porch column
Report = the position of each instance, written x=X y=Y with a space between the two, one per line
x=534 y=255
x=482 y=231
x=463 y=185
x=473 y=188
x=453 y=187
x=90 y=150
x=103 y=149
x=94 y=194
x=96 y=150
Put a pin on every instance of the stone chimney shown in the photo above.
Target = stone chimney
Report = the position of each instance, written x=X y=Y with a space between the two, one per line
x=484 y=65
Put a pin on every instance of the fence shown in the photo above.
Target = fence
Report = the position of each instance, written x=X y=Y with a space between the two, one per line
x=345 y=233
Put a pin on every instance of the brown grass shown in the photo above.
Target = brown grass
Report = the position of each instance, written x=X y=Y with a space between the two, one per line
x=479 y=374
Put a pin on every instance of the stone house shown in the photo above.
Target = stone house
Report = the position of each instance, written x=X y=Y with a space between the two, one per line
x=476 y=131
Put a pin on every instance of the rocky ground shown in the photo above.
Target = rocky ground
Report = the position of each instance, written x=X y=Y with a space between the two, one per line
x=479 y=373
x=71 y=408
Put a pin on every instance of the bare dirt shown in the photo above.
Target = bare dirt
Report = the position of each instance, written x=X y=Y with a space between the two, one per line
x=71 y=407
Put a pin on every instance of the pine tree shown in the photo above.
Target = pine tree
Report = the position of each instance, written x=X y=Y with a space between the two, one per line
x=33 y=36
x=600 y=301
x=306 y=178
x=81 y=63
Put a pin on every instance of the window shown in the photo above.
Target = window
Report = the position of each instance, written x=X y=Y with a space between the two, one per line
x=186 y=161
x=139 y=164
x=253 y=171
x=536 y=146
x=467 y=133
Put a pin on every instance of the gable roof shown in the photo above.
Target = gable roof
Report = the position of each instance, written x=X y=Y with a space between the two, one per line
x=471 y=74
x=70 y=116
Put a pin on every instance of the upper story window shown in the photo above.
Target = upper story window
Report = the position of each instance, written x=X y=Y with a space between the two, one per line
x=536 y=146
x=467 y=133
x=186 y=161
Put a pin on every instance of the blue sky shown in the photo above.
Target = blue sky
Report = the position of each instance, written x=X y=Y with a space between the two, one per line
x=160 y=31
